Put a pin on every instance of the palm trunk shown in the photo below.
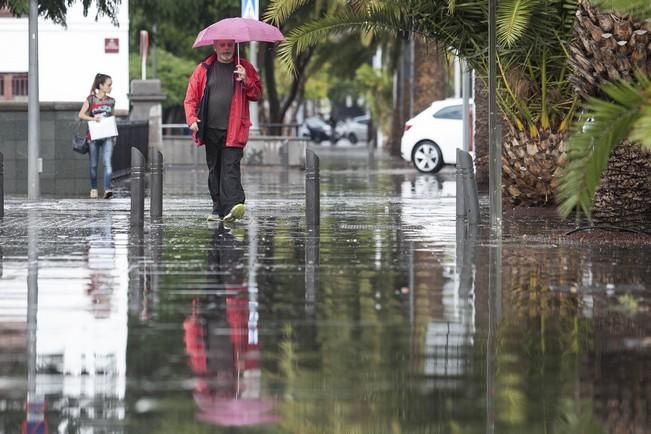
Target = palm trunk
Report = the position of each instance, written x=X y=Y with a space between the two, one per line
x=429 y=84
x=610 y=47
x=480 y=138
x=430 y=78
x=530 y=166
x=622 y=197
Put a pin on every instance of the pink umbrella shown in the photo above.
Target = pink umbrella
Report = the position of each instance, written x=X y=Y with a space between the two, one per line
x=239 y=30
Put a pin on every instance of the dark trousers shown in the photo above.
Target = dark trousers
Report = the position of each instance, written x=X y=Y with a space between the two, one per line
x=224 y=181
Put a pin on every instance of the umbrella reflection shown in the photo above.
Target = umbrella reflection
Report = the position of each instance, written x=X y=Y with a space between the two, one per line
x=221 y=343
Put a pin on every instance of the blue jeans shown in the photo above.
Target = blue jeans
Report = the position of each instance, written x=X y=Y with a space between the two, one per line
x=106 y=145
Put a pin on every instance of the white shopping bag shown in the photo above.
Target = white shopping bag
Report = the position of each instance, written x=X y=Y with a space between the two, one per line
x=106 y=127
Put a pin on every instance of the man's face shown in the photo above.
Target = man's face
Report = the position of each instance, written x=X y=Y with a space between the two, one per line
x=224 y=50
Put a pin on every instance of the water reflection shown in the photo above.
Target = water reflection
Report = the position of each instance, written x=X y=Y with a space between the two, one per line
x=81 y=339
x=222 y=344
x=35 y=401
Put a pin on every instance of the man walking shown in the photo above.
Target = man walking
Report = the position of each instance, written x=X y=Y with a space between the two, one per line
x=217 y=111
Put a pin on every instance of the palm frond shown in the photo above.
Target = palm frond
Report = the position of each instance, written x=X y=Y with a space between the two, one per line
x=512 y=20
x=344 y=21
x=589 y=148
x=280 y=10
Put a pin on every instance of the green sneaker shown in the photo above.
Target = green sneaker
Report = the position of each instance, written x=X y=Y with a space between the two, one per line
x=236 y=213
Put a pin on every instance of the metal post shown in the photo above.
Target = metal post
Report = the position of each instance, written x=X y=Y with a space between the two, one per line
x=461 y=205
x=156 y=199
x=255 y=122
x=2 y=185
x=495 y=173
x=494 y=318
x=137 y=188
x=470 y=195
x=33 y=108
x=465 y=92
x=35 y=405
x=312 y=190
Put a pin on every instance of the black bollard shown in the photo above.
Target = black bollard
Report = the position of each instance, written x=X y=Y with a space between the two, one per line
x=137 y=188
x=470 y=195
x=312 y=190
x=156 y=199
x=2 y=185
x=461 y=205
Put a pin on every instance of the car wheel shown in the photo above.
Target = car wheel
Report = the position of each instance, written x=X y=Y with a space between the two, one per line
x=427 y=157
x=352 y=138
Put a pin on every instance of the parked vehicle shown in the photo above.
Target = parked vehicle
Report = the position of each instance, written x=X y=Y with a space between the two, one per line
x=316 y=129
x=431 y=138
x=354 y=129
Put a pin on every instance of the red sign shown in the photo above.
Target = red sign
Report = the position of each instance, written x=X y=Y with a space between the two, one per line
x=111 y=45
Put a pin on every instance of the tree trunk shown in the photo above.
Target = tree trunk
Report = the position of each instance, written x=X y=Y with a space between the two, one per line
x=530 y=166
x=278 y=109
x=480 y=138
x=610 y=47
x=430 y=75
x=622 y=197
x=429 y=84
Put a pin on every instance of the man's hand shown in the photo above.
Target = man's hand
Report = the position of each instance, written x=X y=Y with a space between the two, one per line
x=195 y=126
x=240 y=74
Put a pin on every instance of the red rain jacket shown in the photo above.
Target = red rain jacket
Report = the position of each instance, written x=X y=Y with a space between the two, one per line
x=239 y=119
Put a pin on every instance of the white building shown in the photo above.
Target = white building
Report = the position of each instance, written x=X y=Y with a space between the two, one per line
x=69 y=57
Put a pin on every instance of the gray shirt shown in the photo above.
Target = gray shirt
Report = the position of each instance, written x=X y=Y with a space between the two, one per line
x=220 y=85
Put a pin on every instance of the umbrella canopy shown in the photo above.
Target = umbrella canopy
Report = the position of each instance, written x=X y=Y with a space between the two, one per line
x=239 y=30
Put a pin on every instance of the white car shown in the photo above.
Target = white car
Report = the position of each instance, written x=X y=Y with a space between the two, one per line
x=431 y=138
x=355 y=129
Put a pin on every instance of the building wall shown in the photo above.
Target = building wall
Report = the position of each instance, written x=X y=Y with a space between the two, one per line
x=65 y=173
x=70 y=58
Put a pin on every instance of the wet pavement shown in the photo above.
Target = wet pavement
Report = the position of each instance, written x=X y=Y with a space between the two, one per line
x=391 y=318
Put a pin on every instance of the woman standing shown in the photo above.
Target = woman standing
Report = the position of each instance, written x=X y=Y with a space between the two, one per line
x=98 y=105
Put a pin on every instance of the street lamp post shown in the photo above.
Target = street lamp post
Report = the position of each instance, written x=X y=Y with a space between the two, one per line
x=33 y=109
x=495 y=142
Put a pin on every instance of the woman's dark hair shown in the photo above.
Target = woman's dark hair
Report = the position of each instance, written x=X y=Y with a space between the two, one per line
x=99 y=79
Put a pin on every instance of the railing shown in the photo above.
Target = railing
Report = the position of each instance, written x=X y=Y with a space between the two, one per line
x=176 y=130
x=286 y=130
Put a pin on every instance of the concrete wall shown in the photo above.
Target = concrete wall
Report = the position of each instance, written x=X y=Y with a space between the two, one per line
x=260 y=150
x=70 y=58
x=65 y=173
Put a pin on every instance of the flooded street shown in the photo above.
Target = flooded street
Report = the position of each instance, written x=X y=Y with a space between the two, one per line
x=390 y=318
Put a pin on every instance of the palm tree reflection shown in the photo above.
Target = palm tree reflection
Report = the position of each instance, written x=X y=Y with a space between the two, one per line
x=221 y=342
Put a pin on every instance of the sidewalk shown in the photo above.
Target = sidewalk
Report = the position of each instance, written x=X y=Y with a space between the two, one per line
x=367 y=325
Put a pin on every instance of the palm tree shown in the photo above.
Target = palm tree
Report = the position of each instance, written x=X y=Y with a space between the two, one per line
x=626 y=117
x=608 y=47
x=533 y=92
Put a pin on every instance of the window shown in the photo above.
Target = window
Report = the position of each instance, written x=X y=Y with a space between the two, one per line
x=453 y=112
x=13 y=86
x=19 y=84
